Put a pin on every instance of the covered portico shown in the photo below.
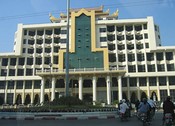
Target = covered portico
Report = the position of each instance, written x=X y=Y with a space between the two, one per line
x=95 y=77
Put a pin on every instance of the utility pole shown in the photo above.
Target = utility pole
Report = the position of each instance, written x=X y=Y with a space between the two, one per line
x=67 y=52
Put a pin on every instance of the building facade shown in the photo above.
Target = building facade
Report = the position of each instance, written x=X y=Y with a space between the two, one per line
x=109 y=59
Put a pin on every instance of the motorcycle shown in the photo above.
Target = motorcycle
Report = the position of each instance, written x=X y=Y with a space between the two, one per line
x=168 y=119
x=123 y=116
x=144 y=118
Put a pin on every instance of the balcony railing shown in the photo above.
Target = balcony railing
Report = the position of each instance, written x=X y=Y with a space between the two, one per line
x=77 y=70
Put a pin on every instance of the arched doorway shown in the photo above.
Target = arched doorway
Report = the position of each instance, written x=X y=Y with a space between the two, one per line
x=27 y=100
x=124 y=96
x=36 y=99
x=133 y=97
x=18 y=99
x=46 y=98
x=143 y=95
x=154 y=96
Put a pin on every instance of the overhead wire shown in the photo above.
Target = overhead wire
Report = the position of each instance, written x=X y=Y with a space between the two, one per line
x=118 y=5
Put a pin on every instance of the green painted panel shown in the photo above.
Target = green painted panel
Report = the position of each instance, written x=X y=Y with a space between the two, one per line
x=83 y=57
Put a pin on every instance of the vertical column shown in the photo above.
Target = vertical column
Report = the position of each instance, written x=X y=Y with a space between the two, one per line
x=158 y=89
x=42 y=90
x=32 y=95
x=14 y=95
x=120 y=87
x=23 y=92
x=168 y=86
x=53 y=89
x=108 y=85
x=94 y=81
x=128 y=89
x=138 y=89
x=5 y=92
x=80 y=88
x=148 y=88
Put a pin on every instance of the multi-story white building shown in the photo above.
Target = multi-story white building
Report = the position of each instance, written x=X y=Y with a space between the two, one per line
x=109 y=59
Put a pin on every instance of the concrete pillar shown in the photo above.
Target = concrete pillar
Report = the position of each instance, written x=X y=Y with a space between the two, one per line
x=138 y=89
x=158 y=89
x=168 y=86
x=108 y=85
x=14 y=93
x=80 y=88
x=53 y=89
x=5 y=92
x=32 y=94
x=23 y=92
x=42 y=90
x=94 y=86
x=148 y=88
x=120 y=87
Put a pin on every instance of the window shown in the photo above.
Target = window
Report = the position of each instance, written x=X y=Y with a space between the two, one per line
x=131 y=57
x=31 y=42
x=56 y=49
x=4 y=61
x=48 y=41
x=57 y=40
x=138 y=27
x=139 y=37
x=39 y=41
x=25 y=32
x=37 y=84
x=29 y=61
x=152 y=81
x=169 y=55
x=151 y=68
x=145 y=35
x=145 y=26
x=11 y=72
x=103 y=39
x=163 y=95
x=171 y=80
x=162 y=81
x=121 y=58
x=130 y=46
x=160 y=67
x=141 y=68
x=111 y=47
x=24 y=50
x=63 y=40
x=120 y=37
x=20 y=72
x=159 y=56
x=30 y=51
x=31 y=33
x=150 y=56
x=46 y=60
x=147 y=45
x=48 y=32
x=63 y=31
x=57 y=31
x=110 y=28
x=170 y=67
x=121 y=47
x=129 y=37
x=129 y=28
x=47 y=50
x=131 y=68
x=133 y=82
x=120 y=28
x=102 y=30
x=142 y=81
x=19 y=85
x=24 y=41
x=139 y=46
x=55 y=59
x=38 y=61
x=111 y=37
x=140 y=57
x=124 y=82
x=112 y=58
x=39 y=50
x=13 y=61
x=28 y=84
x=29 y=72
x=40 y=32
x=21 y=61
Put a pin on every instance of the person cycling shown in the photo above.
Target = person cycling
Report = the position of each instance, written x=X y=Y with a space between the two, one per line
x=152 y=107
x=144 y=107
x=168 y=107
x=123 y=107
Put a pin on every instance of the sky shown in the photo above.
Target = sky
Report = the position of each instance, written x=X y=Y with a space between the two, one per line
x=13 y=12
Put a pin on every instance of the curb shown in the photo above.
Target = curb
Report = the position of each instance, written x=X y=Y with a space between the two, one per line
x=60 y=118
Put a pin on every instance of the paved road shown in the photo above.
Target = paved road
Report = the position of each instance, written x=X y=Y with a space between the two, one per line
x=133 y=121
